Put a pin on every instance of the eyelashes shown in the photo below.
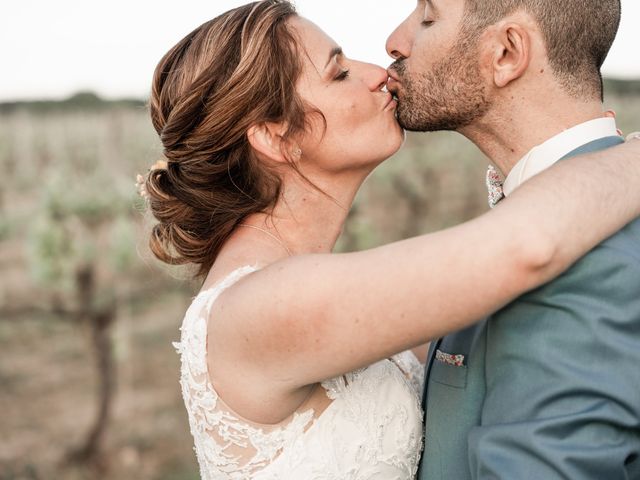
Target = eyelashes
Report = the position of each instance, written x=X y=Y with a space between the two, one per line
x=344 y=74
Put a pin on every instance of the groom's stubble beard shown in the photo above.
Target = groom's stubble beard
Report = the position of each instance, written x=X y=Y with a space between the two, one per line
x=450 y=96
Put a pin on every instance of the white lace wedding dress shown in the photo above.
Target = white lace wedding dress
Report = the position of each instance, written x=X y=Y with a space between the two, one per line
x=371 y=430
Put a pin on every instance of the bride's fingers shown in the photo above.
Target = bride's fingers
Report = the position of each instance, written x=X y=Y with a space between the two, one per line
x=633 y=136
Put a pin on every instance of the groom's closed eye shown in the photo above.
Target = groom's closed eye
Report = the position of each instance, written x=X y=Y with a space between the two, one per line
x=429 y=13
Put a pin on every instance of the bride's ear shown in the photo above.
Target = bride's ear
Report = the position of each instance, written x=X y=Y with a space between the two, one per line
x=267 y=141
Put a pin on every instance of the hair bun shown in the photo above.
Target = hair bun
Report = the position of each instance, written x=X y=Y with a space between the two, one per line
x=202 y=105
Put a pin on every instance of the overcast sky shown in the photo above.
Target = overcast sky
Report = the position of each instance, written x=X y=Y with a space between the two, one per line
x=51 y=49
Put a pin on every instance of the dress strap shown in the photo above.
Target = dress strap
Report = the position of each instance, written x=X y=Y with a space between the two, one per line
x=209 y=295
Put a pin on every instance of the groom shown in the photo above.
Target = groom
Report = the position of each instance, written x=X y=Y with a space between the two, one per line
x=548 y=387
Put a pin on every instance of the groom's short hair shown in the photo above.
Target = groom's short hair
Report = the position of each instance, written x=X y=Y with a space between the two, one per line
x=578 y=35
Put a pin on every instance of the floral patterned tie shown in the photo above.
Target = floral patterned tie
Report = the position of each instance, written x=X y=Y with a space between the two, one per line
x=494 y=186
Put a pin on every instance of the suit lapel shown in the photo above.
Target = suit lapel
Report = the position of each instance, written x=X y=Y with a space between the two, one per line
x=433 y=348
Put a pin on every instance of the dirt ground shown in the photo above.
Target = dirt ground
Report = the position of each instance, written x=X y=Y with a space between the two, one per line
x=48 y=389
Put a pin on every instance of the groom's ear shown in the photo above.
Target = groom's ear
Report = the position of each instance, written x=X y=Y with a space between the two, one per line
x=511 y=49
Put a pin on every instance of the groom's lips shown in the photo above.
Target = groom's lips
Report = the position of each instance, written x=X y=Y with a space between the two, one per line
x=392 y=74
x=393 y=82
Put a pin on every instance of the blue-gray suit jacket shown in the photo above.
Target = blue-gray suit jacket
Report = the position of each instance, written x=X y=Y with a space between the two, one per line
x=550 y=388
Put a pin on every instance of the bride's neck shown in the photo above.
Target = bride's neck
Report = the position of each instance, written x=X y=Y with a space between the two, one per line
x=310 y=220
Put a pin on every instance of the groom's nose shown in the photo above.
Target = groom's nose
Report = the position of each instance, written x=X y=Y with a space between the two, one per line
x=399 y=42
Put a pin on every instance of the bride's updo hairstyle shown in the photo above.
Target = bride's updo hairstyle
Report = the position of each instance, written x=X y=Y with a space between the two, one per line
x=237 y=70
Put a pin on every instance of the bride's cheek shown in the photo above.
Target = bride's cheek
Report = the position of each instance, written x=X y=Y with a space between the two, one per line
x=353 y=112
x=349 y=104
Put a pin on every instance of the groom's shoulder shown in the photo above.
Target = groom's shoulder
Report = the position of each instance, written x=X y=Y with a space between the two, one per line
x=615 y=259
x=609 y=275
x=592 y=307
x=625 y=243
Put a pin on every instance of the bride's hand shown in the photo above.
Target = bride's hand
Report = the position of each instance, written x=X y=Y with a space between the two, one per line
x=633 y=136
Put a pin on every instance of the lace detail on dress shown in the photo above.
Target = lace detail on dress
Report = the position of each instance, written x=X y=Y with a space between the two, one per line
x=371 y=430
x=225 y=445
x=412 y=369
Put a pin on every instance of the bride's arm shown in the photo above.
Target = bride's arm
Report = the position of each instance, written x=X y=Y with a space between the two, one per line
x=313 y=317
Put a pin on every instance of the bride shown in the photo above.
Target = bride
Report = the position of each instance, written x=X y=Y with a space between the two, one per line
x=297 y=363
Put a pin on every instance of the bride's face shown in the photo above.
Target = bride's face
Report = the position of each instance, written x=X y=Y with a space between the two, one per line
x=361 y=127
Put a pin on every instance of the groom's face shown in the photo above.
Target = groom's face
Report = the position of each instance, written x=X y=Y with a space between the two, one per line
x=436 y=75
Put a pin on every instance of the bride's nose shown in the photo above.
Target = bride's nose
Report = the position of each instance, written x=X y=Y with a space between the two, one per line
x=374 y=76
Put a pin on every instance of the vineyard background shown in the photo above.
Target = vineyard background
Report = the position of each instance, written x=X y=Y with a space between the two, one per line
x=75 y=272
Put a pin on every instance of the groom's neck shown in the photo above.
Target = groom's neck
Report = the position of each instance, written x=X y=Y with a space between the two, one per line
x=513 y=127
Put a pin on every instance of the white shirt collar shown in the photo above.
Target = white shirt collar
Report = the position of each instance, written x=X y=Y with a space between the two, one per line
x=546 y=154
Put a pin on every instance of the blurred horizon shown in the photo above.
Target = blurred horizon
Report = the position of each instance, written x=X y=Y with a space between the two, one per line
x=87 y=97
x=110 y=97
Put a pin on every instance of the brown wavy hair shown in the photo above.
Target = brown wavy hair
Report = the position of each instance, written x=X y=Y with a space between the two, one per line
x=237 y=70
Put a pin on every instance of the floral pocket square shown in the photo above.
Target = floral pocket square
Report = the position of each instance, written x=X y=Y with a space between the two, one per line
x=449 y=359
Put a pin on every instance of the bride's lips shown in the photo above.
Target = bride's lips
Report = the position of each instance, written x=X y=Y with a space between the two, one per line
x=391 y=102
x=393 y=86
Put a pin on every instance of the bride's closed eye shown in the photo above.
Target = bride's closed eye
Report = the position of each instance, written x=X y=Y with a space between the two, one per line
x=343 y=75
